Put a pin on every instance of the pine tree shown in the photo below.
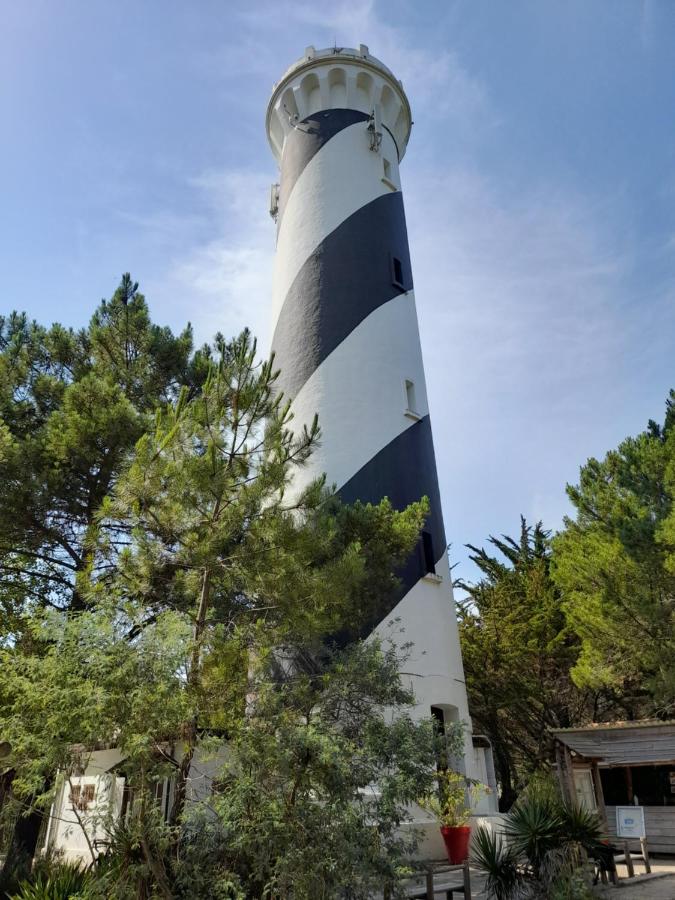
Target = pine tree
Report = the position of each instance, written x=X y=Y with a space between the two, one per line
x=518 y=652
x=72 y=405
x=201 y=570
x=615 y=563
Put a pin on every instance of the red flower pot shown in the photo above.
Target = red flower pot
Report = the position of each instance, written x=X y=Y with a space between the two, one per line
x=456 y=839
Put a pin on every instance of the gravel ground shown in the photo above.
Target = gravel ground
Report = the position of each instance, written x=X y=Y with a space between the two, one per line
x=644 y=887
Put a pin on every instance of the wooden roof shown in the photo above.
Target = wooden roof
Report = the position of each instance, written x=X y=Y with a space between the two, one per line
x=622 y=743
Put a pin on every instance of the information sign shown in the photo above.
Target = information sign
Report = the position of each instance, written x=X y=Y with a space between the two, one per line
x=630 y=822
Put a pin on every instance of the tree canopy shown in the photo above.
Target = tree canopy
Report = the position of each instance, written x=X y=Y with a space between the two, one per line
x=579 y=627
x=72 y=406
x=615 y=564
x=518 y=651
x=200 y=612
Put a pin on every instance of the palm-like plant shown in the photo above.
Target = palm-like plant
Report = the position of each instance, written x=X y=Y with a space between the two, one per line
x=544 y=843
x=498 y=861
x=583 y=827
x=59 y=881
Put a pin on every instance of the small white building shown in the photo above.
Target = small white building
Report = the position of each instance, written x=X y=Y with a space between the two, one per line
x=87 y=806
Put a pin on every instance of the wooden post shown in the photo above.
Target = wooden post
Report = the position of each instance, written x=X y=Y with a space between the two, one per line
x=645 y=855
x=629 y=860
x=628 y=775
x=560 y=766
x=569 y=770
x=467 y=881
x=430 y=884
x=599 y=794
x=564 y=760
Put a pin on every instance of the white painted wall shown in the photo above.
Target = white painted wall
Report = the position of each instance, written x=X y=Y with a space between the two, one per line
x=66 y=830
x=65 y=833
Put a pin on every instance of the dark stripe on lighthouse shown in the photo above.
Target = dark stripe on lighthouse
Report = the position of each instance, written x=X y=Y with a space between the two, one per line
x=404 y=471
x=305 y=141
x=347 y=277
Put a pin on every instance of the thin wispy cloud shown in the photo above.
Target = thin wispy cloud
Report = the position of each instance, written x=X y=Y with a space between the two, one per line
x=228 y=273
x=227 y=277
x=521 y=331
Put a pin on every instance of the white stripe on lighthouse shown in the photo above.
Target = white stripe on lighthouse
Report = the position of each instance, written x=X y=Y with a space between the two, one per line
x=361 y=395
x=346 y=278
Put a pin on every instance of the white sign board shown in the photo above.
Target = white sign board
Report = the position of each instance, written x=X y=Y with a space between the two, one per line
x=630 y=822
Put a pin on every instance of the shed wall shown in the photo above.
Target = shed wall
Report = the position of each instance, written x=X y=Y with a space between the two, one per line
x=659 y=825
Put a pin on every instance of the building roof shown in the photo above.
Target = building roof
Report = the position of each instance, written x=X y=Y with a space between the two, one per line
x=647 y=742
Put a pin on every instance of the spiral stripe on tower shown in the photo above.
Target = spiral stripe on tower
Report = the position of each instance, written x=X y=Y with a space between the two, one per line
x=342 y=275
x=345 y=332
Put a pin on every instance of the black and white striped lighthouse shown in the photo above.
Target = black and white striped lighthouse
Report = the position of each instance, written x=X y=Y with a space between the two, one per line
x=345 y=326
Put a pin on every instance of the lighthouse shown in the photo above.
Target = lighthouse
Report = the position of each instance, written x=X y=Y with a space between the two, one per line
x=345 y=332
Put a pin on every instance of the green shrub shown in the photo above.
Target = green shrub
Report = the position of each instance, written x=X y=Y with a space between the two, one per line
x=542 y=852
x=57 y=881
x=498 y=862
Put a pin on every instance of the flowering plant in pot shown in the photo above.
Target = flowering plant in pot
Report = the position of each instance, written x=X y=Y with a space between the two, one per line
x=452 y=805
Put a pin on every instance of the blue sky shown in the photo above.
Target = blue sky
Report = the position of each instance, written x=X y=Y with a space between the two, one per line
x=539 y=186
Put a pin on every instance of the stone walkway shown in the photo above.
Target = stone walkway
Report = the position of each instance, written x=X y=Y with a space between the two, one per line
x=660 y=885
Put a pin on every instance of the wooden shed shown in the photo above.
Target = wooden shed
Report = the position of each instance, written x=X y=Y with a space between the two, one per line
x=622 y=764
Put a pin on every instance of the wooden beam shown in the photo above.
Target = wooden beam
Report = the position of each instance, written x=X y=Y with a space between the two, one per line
x=467 y=881
x=565 y=777
x=569 y=774
x=560 y=769
x=599 y=794
x=628 y=775
x=645 y=855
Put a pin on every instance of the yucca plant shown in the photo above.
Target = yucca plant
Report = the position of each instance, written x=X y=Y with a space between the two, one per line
x=543 y=850
x=58 y=881
x=583 y=827
x=498 y=861
x=534 y=828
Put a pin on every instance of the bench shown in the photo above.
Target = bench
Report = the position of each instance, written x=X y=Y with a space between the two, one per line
x=448 y=880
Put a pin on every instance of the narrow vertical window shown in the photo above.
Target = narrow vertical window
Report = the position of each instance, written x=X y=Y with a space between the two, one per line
x=428 y=553
x=397 y=273
x=410 y=401
x=439 y=730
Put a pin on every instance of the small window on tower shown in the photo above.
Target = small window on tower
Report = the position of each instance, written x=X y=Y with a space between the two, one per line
x=387 y=176
x=397 y=273
x=428 y=553
x=410 y=400
x=410 y=396
x=427 y=559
